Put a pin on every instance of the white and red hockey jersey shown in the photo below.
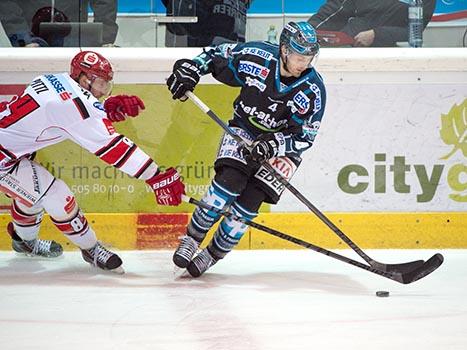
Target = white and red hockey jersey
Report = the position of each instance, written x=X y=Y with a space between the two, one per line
x=54 y=108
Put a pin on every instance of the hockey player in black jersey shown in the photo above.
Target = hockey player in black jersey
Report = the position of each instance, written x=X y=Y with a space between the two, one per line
x=279 y=110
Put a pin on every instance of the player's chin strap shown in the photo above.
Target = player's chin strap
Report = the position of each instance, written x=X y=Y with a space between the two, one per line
x=407 y=276
x=375 y=264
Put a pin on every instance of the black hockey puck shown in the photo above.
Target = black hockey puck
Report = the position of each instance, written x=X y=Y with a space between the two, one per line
x=382 y=293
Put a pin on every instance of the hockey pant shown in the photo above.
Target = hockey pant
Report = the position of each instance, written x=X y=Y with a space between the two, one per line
x=228 y=155
x=33 y=190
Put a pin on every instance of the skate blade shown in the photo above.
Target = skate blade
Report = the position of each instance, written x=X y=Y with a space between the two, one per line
x=179 y=273
x=38 y=257
x=119 y=270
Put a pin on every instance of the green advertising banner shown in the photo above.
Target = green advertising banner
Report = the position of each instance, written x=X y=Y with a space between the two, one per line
x=174 y=133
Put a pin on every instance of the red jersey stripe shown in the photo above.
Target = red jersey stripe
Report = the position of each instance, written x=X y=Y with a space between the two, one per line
x=115 y=153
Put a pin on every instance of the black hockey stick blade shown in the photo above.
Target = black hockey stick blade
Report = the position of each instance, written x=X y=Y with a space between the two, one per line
x=428 y=267
x=397 y=268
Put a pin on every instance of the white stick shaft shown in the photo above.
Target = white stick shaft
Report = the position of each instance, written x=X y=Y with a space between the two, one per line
x=196 y=100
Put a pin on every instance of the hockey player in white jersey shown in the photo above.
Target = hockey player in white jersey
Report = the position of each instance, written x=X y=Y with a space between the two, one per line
x=57 y=107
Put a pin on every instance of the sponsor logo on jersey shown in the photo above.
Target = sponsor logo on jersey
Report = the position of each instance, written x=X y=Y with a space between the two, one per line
x=261 y=120
x=317 y=92
x=257 y=52
x=55 y=82
x=99 y=106
x=283 y=166
x=86 y=93
x=65 y=95
x=35 y=179
x=70 y=204
x=317 y=101
x=253 y=68
x=265 y=176
x=292 y=106
x=302 y=101
x=256 y=83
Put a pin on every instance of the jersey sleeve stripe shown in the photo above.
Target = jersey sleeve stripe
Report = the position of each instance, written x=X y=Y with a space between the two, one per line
x=116 y=152
x=81 y=108
x=143 y=168
x=127 y=155
x=108 y=146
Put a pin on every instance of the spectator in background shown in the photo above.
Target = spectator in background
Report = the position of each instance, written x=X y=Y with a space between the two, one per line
x=17 y=16
x=219 y=21
x=374 y=23
x=50 y=14
x=105 y=12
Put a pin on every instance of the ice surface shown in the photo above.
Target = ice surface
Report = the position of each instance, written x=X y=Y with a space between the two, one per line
x=292 y=299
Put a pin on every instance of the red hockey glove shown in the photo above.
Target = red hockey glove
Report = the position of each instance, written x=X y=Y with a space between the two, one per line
x=120 y=106
x=167 y=187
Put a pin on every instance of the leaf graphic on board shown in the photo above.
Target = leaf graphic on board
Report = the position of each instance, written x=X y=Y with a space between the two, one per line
x=454 y=129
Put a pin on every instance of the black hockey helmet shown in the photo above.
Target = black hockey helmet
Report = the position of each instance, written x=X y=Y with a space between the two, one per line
x=301 y=38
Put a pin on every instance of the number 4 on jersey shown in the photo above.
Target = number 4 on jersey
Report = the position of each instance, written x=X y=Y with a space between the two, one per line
x=273 y=107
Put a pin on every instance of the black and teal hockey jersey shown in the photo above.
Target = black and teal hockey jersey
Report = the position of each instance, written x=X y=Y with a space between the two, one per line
x=268 y=103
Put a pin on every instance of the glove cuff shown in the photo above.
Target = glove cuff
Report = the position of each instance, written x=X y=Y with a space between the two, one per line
x=279 y=139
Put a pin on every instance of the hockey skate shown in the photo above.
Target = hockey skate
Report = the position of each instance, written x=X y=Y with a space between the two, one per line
x=185 y=251
x=34 y=247
x=103 y=258
x=201 y=263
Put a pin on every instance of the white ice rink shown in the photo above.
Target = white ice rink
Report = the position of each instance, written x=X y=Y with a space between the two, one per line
x=251 y=300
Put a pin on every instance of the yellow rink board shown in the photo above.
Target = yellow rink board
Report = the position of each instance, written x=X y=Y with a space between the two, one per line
x=367 y=230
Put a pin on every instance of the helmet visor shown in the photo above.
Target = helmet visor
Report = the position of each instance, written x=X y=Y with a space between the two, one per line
x=304 y=49
x=101 y=87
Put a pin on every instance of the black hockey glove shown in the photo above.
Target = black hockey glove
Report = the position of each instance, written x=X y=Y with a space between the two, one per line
x=266 y=146
x=185 y=75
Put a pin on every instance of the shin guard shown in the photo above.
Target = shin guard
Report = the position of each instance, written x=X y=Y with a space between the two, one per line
x=26 y=221
x=229 y=232
x=77 y=230
x=202 y=219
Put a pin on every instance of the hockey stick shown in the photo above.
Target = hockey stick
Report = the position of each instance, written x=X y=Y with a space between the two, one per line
x=377 y=265
x=405 y=277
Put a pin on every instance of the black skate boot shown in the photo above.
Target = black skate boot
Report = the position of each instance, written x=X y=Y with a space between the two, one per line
x=201 y=263
x=185 y=251
x=103 y=258
x=34 y=247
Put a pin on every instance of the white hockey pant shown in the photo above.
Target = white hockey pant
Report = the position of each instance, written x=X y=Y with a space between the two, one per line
x=33 y=190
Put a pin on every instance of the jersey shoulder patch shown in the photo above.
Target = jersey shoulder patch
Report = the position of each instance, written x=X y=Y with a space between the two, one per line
x=260 y=49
